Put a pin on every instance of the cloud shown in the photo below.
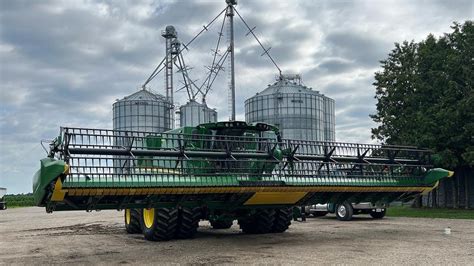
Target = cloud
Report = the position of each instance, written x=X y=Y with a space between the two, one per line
x=63 y=63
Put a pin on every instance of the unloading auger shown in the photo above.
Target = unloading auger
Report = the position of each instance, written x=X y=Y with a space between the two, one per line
x=221 y=172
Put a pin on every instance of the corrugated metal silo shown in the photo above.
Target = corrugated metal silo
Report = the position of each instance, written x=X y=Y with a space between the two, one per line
x=194 y=113
x=142 y=111
x=297 y=110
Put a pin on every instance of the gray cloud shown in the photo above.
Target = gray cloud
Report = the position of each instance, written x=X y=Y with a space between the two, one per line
x=63 y=63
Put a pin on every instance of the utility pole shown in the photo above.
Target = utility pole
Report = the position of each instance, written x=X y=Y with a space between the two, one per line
x=230 y=15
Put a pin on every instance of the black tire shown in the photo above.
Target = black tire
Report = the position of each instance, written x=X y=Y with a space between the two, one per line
x=221 y=224
x=163 y=226
x=319 y=214
x=344 y=211
x=261 y=222
x=282 y=220
x=133 y=225
x=377 y=215
x=188 y=222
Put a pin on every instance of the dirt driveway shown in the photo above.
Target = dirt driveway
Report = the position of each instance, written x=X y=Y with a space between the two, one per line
x=30 y=236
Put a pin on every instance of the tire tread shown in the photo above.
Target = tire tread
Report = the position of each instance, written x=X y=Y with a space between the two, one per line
x=188 y=222
x=135 y=226
x=283 y=219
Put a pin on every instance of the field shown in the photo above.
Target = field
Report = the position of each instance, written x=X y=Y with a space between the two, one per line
x=30 y=236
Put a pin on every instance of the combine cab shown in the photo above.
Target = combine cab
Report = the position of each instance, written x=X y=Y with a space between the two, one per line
x=220 y=172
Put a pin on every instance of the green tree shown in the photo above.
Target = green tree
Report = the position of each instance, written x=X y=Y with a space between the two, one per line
x=425 y=96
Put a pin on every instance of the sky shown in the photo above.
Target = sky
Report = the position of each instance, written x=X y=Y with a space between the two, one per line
x=64 y=63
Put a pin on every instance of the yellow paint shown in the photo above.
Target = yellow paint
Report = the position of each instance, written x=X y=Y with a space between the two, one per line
x=223 y=190
x=266 y=198
x=429 y=189
x=58 y=192
x=66 y=169
x=148 y=217
x=128 y=216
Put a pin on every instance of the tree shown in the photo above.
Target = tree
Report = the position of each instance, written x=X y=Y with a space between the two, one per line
x=425 y=97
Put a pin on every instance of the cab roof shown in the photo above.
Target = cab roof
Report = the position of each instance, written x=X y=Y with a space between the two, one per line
x=239 y=125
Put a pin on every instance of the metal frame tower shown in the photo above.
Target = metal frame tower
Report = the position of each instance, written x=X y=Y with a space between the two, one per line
x=174 y=54
x=172 y=49
x=230 y=15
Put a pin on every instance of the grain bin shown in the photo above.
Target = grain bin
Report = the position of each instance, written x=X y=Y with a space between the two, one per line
x=299 y=111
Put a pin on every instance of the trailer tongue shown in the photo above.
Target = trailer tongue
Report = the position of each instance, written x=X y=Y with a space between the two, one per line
x=221 y=171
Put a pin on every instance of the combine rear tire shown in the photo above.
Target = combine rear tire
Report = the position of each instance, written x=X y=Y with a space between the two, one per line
x=344 y=211
x=221 y=224
x=188 y=222
x=132 y=221
x=377 y=215
x=282 y=220
x=159 y=224
x=261 y=222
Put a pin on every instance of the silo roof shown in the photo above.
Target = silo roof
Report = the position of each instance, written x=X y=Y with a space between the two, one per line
x=286 y=87
x=144 y=95
x=192 y=102
x=195 y=103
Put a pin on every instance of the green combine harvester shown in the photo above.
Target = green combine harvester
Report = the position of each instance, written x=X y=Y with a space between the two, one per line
x=220 y=172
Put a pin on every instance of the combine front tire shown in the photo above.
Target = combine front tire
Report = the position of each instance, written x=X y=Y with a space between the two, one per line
x=261 y=222
x=188 y=222
x=282 y=220
x=132 y=221
x=159 y=224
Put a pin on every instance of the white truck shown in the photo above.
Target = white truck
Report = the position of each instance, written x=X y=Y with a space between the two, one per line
x=3 y=204
x=344 y=211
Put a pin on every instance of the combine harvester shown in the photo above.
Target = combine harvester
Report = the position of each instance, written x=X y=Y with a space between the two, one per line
x=220 y=172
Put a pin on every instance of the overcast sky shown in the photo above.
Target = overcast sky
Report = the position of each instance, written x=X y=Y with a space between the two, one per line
x=63 y=63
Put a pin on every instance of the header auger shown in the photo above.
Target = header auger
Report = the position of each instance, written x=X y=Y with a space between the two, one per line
x=220 y=171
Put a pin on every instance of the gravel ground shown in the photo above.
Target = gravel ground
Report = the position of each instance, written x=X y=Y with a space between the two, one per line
x=31 y=236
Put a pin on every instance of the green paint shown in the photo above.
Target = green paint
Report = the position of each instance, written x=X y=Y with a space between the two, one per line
x=435 y=175
x=49 y=171
x=198 y=173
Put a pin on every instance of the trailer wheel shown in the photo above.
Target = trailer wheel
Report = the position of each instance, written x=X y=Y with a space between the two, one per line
x=282 y=220
x=221 y=224
x=261 y=222
x=159 y=224
x=188 y=222
x=377 y=215
x=344 y=211
x=132 y=221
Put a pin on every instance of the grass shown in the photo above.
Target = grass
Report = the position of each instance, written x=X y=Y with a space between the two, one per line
x=406 y=211
x=15 y=206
